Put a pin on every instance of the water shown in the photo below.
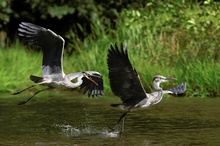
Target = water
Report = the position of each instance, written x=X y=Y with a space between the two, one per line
x=70 y=120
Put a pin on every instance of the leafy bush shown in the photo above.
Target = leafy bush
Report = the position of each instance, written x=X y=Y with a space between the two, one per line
x=189 y=26
x=162 y=43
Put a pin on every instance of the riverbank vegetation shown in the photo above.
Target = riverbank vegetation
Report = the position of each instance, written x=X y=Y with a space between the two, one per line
x=177 y=39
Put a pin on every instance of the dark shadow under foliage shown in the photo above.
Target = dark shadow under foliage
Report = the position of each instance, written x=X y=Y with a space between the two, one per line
x=60 y=15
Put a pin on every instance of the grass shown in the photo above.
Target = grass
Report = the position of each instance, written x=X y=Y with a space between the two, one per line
x=159 y=43
x=17 y=64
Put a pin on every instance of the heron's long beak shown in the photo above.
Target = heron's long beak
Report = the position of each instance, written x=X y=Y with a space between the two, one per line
x=169 y=79
x=89 y=78
x=92 y=81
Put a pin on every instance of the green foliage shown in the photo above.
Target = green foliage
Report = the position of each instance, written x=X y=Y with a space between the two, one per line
x=202 y=77
x=159 y=44
x=183 y=23
x=5 y=12
x=17 y=65
x=59 y=14
x=60 y=11
x=175 y=39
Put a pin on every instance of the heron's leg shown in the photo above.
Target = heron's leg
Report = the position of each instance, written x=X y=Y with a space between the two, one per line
x=23 y=102
x=122 y=117
x=18 y=92
x=123 y=125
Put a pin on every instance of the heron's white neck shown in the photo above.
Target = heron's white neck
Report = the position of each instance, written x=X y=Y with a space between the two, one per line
x=157 y=86
x=73 y=85
x=70 y=84
x=157 y=97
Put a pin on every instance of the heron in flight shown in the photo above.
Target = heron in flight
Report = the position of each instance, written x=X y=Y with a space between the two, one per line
x=126 y=84
x=53 y=75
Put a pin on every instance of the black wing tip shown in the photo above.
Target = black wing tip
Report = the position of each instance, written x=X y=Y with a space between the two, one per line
x=25 y=25
x=116 y=53
x=30 y=27
x=28 y=24
x=115 y=48
x=26 y=29
x=96 y=93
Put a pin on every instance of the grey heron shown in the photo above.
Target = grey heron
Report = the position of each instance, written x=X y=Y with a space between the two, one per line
x=53 y=75
x=126 y=84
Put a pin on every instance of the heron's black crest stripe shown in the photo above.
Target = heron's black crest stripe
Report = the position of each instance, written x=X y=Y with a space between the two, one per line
x=124 y=80
x=154 y=79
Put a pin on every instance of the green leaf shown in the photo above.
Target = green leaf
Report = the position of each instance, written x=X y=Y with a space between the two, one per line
x=60 y=11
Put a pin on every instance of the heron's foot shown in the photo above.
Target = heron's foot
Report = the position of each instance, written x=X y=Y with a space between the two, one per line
x=111 y=129
x=22 y=102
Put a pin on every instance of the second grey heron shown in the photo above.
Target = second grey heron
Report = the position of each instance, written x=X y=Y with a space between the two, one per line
x=126 y=84
x=52 y=65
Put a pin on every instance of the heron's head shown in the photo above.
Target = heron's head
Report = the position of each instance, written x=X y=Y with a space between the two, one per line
x=161 y=79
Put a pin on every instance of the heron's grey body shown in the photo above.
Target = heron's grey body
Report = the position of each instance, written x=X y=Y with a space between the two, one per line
x=62 y=80
x=53 y=75
x=152 y=98
x=126 y=84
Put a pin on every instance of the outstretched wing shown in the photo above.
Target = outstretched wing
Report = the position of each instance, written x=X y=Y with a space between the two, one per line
x=124 y=80
x=84 y=82
x=178 y=90
x=51 y=44
x=92 y=88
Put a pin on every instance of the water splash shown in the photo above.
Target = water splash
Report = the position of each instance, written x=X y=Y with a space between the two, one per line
x=85 y=128
x=110 y=134
x=70 y=131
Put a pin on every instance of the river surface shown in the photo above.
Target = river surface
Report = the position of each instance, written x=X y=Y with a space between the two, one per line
x=65 y=119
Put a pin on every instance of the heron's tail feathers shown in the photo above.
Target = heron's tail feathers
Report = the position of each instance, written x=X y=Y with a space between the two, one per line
x=36 y=79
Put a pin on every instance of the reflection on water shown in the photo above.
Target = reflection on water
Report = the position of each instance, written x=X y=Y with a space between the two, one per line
x=71 y=120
